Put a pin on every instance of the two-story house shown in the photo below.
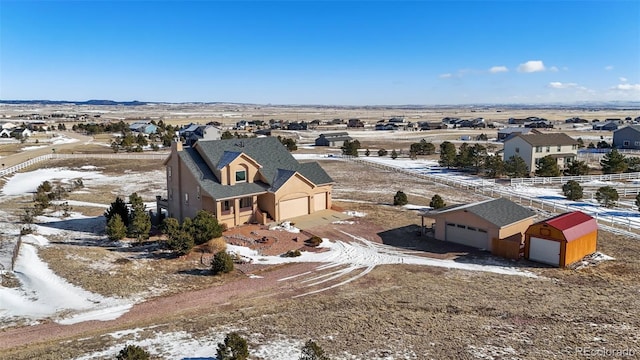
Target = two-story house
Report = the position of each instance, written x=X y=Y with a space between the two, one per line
x=243 y=180
x=533 y=147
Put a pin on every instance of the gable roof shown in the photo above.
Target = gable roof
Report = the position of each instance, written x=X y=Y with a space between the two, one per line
x=500 y=212
x=632 y=127
x=573 y=224
x=277 y=165
x=547 y=139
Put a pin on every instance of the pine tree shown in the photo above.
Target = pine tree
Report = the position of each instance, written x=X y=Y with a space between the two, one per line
x=312 y=351
x=437 y=202
x=572 y=190
x=118 y=207
x=613 y=162
x=394 y=154
x=115 y=228
x=516 y=167
x=234 y=348
x=222 y=263
x=133 y=352
x=447 y=154
x=400 y=198
x=205 y=227
x=607 y=196
x=576 y=168
x=494 y=166
x=179 y=236
x=547 y=166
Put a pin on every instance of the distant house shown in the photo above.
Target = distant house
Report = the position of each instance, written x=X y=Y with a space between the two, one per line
x=195 y=132
x=382 y=126
x=243 y=180
x=333 y=139
x=355 y=123
x=495 y=225
x=426 y=125
x=561 y=240
x=397 y=120
x=297 y=126
x=627 y=137
x=143 y=127
x=533 y=147
x=506 y=132
x=538 y=124
x=607 y=126
x=20 y=133
x=5 y=133
x=244 y=125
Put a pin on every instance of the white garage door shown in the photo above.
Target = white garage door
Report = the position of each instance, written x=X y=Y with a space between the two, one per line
x=319 y=201
x=467 y=235
x=544 y=251
x=294 y=207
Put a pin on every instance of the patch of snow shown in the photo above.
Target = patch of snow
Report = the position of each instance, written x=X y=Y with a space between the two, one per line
x=35 y=240
x=44 y=294
x=343 y=222
x=28 y=182
x=29 y=148
x=355 y=213
x=416 y=207
x=286 y=226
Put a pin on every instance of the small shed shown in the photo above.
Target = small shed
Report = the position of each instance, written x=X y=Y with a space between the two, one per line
x=561 y=240
x=496 y=225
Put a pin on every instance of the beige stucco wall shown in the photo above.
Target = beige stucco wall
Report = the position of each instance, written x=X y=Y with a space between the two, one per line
x=518 y=227
x=181 y=183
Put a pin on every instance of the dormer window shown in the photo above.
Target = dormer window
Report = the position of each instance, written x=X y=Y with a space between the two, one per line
x=241 y=176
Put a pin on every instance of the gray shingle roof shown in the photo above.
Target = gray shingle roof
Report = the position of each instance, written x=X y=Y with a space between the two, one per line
x=633 y=127
x=278 y=165
x=500 y=212
x=548 y=139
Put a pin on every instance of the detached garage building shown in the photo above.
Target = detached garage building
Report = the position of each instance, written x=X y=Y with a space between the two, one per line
x=492 y=225
x=561 y=240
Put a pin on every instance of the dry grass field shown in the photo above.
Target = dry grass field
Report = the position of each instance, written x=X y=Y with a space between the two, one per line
x=394 y=312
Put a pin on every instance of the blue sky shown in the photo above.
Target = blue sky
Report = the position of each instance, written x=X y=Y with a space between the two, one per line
x=328 y=52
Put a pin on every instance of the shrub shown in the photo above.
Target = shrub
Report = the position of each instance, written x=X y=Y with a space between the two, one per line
x=216 y=245
x=222 y=263
x=400 y=198
x=292 y=253
x=382 y=152
x=234 y=348
x=394 y=154
x=312 y=351
x=205 y=227
x=313 y=241
x=26 y=230
x=116 y=229
x=437 y=202
x=572 y=190
x=179 y=236
x=607 y=196
x=133 y=352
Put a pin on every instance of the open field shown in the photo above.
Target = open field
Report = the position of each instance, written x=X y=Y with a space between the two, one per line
x=394 y=311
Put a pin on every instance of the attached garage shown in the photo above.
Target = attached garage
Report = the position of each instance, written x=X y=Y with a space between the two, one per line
x=320 y=201
x=561 y=240
x=467 y=235
x=482 y=224
x=294 y=207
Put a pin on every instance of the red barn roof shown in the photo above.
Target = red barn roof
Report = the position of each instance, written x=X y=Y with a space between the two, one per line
x=573 y=224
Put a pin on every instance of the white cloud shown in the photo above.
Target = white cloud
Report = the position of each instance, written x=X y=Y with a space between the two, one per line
x=623 y=79
x=498 y=69
x=445 y=76
x=608 y=67
x=560 y=85
x=627 y=87
x=531 y=66
x=554 y=69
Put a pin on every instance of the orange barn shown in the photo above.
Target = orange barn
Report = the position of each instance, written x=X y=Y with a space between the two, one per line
x=561 y=240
